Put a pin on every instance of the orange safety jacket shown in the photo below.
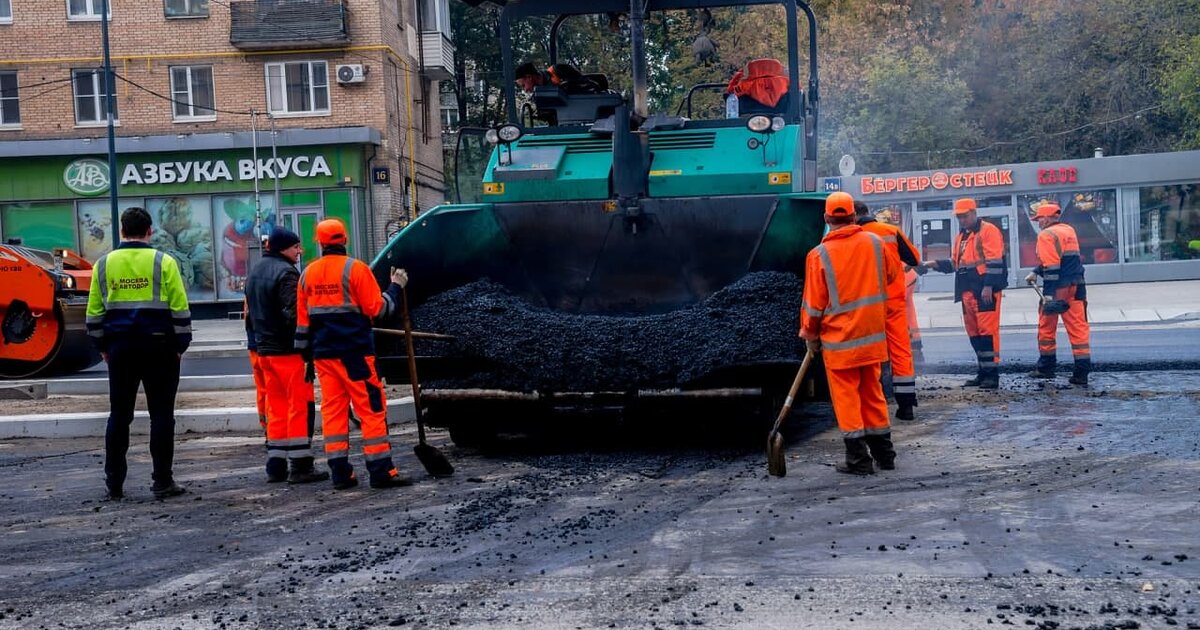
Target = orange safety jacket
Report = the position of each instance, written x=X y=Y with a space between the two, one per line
x=1058 y=253
x=336 y=300
x=845 y=292
x=896 y=243
x=977 y=260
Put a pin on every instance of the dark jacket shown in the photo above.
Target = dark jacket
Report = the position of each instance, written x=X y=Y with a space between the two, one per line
x=271 y=298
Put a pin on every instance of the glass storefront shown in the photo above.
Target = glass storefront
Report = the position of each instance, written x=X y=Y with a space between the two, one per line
x=1093 y=214
x=1166 y=225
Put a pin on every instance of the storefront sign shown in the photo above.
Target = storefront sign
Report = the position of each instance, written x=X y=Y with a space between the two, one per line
x=1061 y=175
x=219 y=170
x=87 y=177
x=939 y=180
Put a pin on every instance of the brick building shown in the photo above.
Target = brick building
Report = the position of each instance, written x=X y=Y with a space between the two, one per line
x=349 y=86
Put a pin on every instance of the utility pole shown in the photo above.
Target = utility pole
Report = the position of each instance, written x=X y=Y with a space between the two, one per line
x=109 y=102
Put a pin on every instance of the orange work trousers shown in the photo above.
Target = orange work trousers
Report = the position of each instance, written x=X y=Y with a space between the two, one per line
x=914 y=328
x=289 y=407
x=858 y=401
x=1078 y=331
x=260 y=388
x=346 y=382
x=904 y=375
x=983 y=329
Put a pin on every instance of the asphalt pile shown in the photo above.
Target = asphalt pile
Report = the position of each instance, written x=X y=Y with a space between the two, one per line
x=523 y=347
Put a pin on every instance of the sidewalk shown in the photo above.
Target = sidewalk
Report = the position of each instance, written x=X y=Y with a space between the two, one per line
x=1124 y=303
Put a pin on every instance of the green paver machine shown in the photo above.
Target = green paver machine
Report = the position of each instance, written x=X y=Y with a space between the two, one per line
x=616 y=209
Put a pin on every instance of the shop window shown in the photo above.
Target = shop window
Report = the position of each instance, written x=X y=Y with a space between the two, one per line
x=192 y=91
x=183 y=230
x=5 y=11
x=86 y=9
x=234 y=218
x=298 y=88
x=91 y=106
x=1092 y=213
x=40 y=225
x=95 y=225
x=947 y=205
x=10 y=103
x=185 y=8
x=1166 y=225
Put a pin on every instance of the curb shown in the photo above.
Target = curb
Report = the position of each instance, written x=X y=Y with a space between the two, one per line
x=99 y=386
x=220 y=420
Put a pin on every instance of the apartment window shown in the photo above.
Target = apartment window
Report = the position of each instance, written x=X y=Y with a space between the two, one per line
x=10 y=109
x=5 y=11
x=91 y=106
x=86 y=9
x=435 y=16
x=449 y=118
x=185 y=8
x=298 y=88
x=192 y=91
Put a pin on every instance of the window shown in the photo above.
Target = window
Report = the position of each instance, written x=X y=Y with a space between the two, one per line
x=91 y=106
x=298 y=88
x=1093 y=214
x=192 y=90
x=185 y=8
x=1165 y=225
x=5 y=11
x=10 y=109
x=435 y=16
x=86 y=9
x=449 y=118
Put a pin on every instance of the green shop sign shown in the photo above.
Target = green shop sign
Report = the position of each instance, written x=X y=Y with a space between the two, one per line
x=198 y=172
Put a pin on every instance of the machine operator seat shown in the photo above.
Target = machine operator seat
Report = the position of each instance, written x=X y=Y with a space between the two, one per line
x=556 y=106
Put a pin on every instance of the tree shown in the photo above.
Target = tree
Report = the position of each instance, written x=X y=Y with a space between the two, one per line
x=1180 y=83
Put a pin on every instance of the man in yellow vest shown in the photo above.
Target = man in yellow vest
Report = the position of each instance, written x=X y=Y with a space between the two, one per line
x=138 y=317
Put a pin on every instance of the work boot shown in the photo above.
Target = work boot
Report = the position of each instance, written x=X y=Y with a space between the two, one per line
x=167 y=490
x=346 y=483
x=973 y=382
x=990 y=380
x=1038 y=373
x=905 y=412
x=1079 y=377
x=858 y=458
x=303 y=472
x=276 y=470
x=882 y=450
x=392 y=480
x=114 y=494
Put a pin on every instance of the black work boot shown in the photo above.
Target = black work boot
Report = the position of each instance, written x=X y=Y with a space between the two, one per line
x=393 y=480
x=342 y=473
x=1082 y=368
x=882 y=450
x=858 y=458
x=990 y=379
x=303 y=472
x=167 y=490
x=1044 y=368
x=973 y=382
x=905 y=402
x=276 y=470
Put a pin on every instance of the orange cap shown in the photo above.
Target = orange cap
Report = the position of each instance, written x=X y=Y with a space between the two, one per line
x=839 y=204
x=964 y=205
x=331 y=232
x=1047 y=209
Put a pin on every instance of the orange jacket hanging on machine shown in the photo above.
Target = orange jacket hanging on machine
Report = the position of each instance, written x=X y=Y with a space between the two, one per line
x=338 y=298
x=845 y=292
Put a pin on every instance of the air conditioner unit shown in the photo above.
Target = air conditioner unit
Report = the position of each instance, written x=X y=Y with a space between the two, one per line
x=351 y=73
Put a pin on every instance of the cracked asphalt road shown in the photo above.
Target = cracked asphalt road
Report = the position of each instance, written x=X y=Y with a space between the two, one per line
x=1040 y=506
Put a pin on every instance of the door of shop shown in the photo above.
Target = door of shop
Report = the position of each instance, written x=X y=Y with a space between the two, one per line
x=935 y=236
x=303 y=221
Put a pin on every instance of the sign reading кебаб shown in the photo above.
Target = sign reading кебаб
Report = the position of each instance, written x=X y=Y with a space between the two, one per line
x=938 y=180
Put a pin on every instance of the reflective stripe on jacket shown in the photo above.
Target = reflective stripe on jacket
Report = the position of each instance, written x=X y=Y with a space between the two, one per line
x=977 y=260
x=845 y=291
x=138 y=291
x=1058 y=253
x=337 y=299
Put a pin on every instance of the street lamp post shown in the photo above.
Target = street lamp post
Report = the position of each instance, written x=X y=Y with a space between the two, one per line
x=109 y=102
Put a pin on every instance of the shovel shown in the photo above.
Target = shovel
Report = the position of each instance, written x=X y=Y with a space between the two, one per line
x=776 y=466
x=433 y=460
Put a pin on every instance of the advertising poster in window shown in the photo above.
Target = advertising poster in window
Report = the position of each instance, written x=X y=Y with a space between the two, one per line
x=234 y=221
x=1092 y=213
x=183 y=230
x=95 y=226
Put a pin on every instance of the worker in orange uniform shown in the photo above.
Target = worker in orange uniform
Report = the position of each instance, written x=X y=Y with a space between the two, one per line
x=338 y=298
x=260 y=388
x=980 y=275
x=844 y=317
x=271 y=295
x=896 y=246
x=1063 y=293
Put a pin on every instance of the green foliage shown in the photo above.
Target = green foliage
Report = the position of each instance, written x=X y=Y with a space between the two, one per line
x=1180 y=83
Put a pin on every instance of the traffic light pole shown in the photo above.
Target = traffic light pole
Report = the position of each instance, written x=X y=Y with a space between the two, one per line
x=109 y=101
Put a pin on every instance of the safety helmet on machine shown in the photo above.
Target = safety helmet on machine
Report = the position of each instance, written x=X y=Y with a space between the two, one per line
x=331 y=232
x=964 y=205
x=839 y=204
x=1046 y=210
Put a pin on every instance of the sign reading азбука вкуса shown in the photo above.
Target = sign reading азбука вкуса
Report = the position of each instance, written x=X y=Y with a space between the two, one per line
x=180 y=173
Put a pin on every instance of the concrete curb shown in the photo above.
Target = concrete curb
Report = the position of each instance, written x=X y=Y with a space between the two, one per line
x=99 y=386
x=217 y=420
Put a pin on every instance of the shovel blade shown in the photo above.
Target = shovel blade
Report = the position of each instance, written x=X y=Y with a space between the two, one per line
x=776 y=466
x=433 y=460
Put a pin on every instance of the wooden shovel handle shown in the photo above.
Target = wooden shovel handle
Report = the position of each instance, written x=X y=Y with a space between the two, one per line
x=416 y=334
x=787 y=403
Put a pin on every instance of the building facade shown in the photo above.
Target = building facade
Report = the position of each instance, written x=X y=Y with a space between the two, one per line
x=1137 y=216
x=231 y=116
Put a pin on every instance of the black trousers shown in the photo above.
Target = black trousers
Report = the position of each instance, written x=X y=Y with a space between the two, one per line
x=154 y=364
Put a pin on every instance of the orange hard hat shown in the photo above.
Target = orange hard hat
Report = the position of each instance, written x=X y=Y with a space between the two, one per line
x=839 y=204
x=964 y=205
x=331 y=232
x=1047 y=209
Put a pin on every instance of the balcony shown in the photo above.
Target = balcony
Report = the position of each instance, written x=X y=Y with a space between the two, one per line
x=437 y=53
x=283 y=24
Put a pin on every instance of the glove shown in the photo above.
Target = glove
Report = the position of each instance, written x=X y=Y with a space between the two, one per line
x=400 y=277
x=987 y=297
x=921 y=269
x=1031 y=278
x=813 y=345
x=1046 y=299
